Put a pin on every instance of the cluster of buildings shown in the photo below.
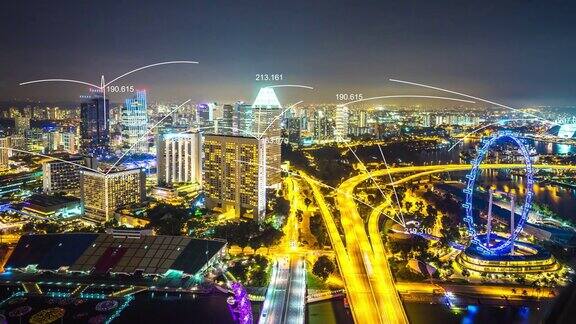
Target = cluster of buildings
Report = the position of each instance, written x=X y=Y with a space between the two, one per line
x=231 y=152
x=232 y=159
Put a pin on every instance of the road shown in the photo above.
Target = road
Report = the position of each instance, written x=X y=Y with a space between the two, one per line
x=358 y=290
x=276 y=295
x=286 y=296
x=290 y=239
x=376 y=271
x=294 y=311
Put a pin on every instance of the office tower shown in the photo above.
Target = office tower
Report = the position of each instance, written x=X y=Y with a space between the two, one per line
x=135 y=122
x=363 y=119
x=242 y=119
x=322 y=126
x=266 y=112
x=60 y=176
x=226 y=124
x=179 y=158
x=205 y=113
x=70 y=142
x=293 y=129
x=21 y=124
x=235 y=174
x=342 y=123
x=95 y=125
x=102 y=194
x=4 y=153
x=426 y=120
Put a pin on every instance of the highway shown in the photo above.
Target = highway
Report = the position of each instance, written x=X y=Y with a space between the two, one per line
x=276 y=295
x=285 y=300
x=294 y=310
x=376 y=271
x=358 y=290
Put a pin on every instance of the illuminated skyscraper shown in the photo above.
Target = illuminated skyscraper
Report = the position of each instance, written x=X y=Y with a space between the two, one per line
x=342 y=123
x=235 y=174
x=102 y=194
x=4 y=153
x=95 y=125
x=266 y=112
x=179 y=158
x=135 y=122
x=242 y=119
x=70 y=142
x=227 y=122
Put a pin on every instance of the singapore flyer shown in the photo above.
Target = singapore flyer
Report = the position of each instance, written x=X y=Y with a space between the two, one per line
x=502 y=246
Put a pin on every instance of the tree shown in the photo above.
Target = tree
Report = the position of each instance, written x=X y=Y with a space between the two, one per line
x=323 y=267
x=168 y=219
x=282 y=206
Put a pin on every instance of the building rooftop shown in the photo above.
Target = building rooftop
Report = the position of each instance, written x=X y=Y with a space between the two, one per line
x=94 y=253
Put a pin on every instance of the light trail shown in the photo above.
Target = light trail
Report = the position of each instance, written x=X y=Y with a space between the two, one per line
x=393 y=187
x=472 y=97
x=406 y=96
x=290 y=86
x=251 y=134
x=146 y=134
x=486 y=126
x=60 y=80
x=149 y=66
x=104 y=85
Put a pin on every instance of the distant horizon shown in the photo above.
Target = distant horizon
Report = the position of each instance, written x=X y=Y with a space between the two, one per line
x=515 y=53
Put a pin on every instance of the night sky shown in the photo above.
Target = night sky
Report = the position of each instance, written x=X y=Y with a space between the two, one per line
x=515 y=52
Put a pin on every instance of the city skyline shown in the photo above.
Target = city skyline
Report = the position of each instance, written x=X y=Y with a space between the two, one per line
x=287 y=162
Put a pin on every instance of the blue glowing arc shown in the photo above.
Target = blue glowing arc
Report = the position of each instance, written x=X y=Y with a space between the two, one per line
x=503 y=246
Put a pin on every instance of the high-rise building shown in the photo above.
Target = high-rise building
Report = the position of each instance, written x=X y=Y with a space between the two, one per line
x=242 y=119
x=227 y=122
x=426 y=120
x=60 y=176
x=235 y=173
x=179 y=158
x=205 y=113
x=102 y=194
x=135 y=122
x=21 y=124
x=70 y=142
x=321 y=126
x=342 y=123
x=95 y=125
x=266 y=111
x=293 y=126
x=4 y=153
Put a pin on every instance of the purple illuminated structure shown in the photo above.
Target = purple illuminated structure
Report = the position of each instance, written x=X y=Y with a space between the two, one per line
x=240 y=309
